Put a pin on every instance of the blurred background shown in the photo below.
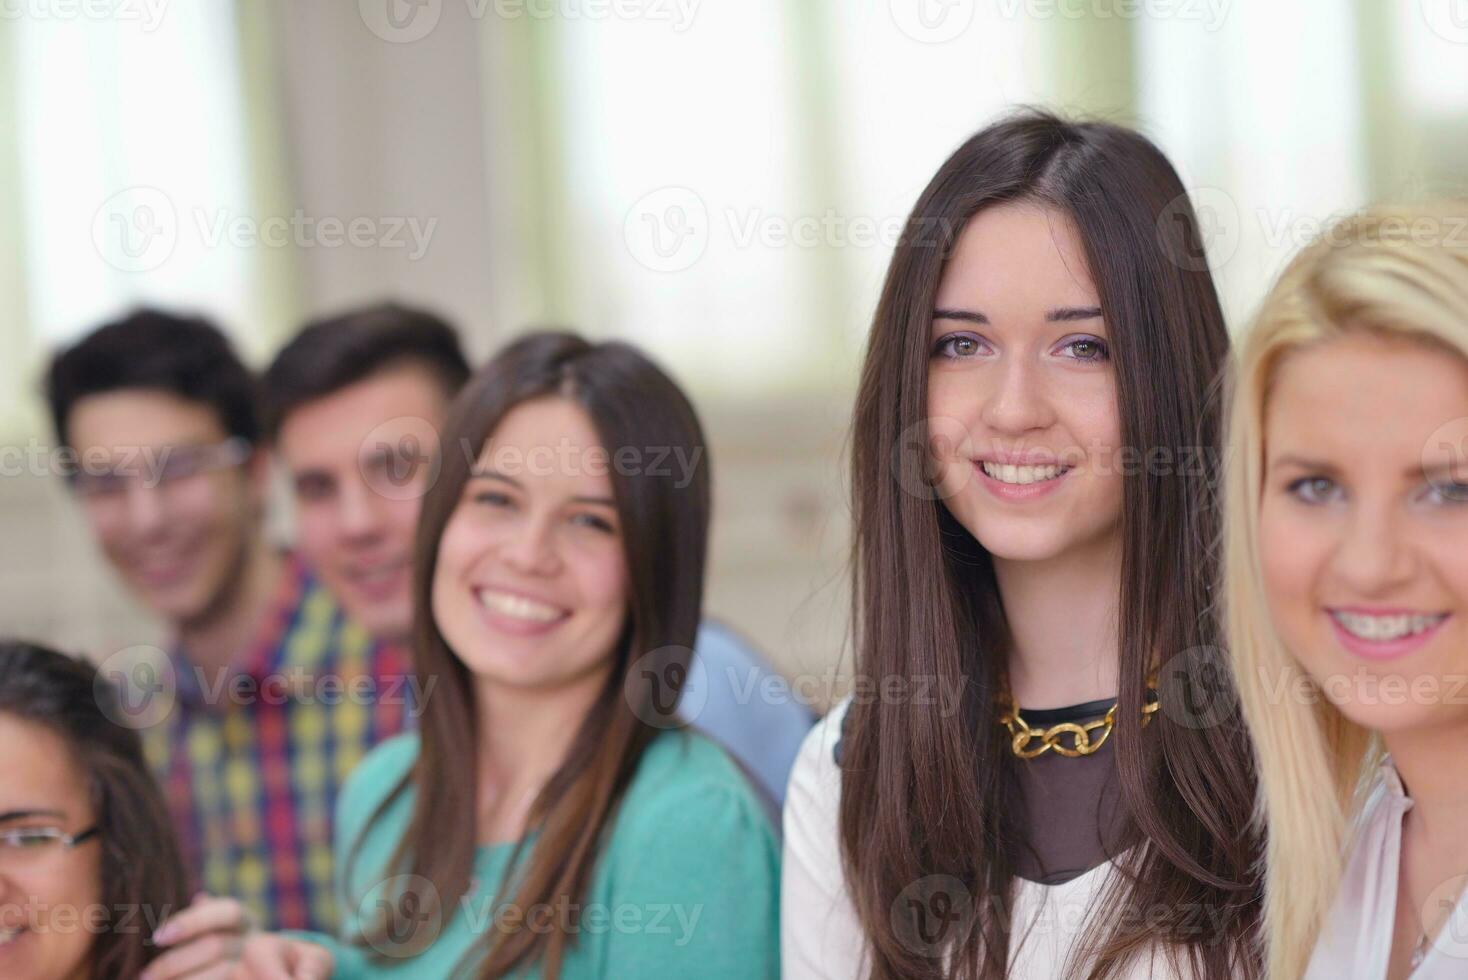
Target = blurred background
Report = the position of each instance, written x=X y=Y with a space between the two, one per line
x=720 y=181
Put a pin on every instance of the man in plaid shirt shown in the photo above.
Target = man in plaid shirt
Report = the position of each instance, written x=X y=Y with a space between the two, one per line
x=269 y=695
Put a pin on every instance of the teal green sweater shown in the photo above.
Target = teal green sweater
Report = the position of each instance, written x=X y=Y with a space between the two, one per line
x=687 y=885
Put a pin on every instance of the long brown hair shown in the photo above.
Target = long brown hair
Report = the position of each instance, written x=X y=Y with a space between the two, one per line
x=141 y=869
x=932 y=793
x=663 y=512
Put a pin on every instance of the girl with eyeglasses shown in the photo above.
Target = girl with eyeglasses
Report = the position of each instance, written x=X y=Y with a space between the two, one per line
x=88 y=863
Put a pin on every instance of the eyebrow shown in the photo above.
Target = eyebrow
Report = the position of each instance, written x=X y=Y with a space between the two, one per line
x=9 y=815
x=1435 y=471
x=312 y=473
x=1303 y=463
x=1061 y=314
x=490 y=473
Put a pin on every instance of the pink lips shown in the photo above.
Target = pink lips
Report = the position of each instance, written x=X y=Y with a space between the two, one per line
x=1383 y=649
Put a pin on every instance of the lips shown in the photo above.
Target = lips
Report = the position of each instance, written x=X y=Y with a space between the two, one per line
x=518 y=613
x=379 y=580
x=160 y=570
x=1018 y=479
x=1384 y=634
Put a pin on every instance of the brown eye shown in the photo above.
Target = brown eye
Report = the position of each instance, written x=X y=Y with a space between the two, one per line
x=957 y=346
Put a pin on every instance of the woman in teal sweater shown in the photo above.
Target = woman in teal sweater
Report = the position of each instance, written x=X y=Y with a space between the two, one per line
x=552 y=819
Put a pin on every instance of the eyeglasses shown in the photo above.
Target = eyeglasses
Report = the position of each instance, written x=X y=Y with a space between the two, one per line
x=172 y=468
x=25 y=845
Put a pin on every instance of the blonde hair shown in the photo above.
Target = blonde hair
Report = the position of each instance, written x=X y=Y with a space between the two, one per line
x=1398 y=272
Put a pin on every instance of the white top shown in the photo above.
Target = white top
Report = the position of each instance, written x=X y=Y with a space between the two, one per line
x=820 y=935
x=1356 y=939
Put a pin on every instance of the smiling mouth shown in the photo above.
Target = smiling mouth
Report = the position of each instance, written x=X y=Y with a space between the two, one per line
x=381 y=574
x=518 y=607
x=1383 y=629
x=1022 y=475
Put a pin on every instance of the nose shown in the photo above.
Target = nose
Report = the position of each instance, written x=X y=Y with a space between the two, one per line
x=1373 y=556
x=1016 y=403
x=145 y=510
x=530 y=547
x=357 y=510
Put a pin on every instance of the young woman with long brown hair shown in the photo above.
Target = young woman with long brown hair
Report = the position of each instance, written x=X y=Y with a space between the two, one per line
x=1033 y=446
x=551 y=819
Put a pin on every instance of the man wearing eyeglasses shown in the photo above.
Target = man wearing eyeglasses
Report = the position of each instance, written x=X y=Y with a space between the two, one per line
x=272 y=693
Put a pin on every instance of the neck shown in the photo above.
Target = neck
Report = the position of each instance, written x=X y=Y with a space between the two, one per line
x=524 y=735
x=1429 y=762
x=216 y=638
x=1062 y=615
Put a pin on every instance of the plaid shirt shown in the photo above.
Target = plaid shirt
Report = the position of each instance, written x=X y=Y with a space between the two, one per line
x=252 y=756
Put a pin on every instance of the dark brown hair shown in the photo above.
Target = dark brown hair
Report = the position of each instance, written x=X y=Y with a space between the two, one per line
x=339 y=350
x=928 y=793
x=141 y=870
x=664 y=521
x=184 y=355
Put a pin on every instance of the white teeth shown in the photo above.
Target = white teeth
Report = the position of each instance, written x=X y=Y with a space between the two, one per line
x=1383 y=628
x=517 y=606
x=1022 y=474
x=7 y=935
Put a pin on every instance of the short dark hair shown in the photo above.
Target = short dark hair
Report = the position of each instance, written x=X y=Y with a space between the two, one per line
x=339 y=350
x=187 y=356
x=68 y=696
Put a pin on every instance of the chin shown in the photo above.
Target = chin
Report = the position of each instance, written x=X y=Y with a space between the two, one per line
x=1397 y=717
x=387 y=622
x=174 y=607
x=1012 y=540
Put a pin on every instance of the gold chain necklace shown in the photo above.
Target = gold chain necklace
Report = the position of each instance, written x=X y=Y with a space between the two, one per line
x=1029 y=743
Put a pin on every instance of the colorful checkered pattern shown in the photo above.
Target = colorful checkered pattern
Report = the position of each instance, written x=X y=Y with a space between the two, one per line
x=252 y=757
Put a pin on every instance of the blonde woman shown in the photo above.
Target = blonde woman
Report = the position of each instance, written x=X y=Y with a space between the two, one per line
x=1346 y=565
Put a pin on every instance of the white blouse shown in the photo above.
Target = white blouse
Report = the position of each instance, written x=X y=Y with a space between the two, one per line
x=1356 y=939
x=820 y=935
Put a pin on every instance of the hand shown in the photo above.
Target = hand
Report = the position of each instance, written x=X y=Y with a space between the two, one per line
x=201 y=942
x=269 y=957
